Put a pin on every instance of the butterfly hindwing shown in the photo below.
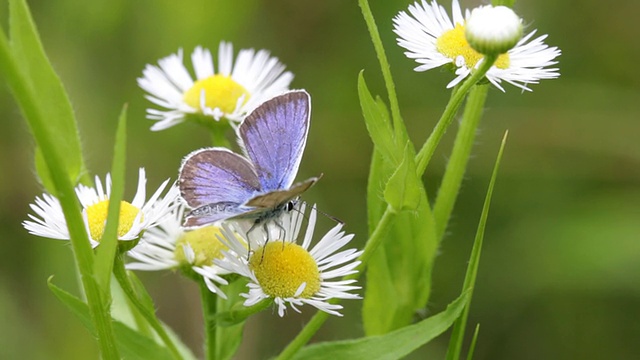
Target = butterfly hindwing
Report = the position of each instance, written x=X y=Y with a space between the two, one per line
x=217 y=176
x=274 y=136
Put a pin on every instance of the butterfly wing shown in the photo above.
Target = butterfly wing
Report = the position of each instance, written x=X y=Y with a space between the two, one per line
x=216 y=182
x=274 y=136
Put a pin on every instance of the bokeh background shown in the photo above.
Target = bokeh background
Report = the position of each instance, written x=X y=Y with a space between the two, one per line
x=560 y=270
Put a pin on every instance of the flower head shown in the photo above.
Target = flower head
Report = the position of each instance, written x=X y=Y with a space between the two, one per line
x=229 y=93
x=170 y=246
x=433 y=39
x=135 y=217
x=290 y=273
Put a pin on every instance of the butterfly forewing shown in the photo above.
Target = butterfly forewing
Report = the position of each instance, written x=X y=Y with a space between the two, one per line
x=274 y=136
x=217 y=175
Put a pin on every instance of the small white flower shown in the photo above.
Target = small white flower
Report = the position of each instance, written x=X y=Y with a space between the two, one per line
x=135 y=217
x=433 y=39
x=170 y=246
x=292 y=274
x=231 y=92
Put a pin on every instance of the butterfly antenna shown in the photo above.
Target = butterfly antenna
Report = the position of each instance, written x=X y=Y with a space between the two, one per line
x=331 y=217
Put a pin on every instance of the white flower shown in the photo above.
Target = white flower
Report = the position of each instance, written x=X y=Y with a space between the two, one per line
x=231 y=92
x=135 y=217
x=290 y=273
x=170 y=246
x=433 y=40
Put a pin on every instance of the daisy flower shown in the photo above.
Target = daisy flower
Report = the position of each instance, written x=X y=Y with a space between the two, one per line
x=135 y=217
x=229 y=93
x=170 y=246
x=290 y=273
x=433 y=39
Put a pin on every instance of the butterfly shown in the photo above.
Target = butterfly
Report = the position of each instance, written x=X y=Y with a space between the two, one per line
x=219 y=184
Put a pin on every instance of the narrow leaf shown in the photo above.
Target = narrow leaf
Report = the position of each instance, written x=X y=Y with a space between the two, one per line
x=378 y=123
x=455 y=343
x=394 y=345
x=135 y=346
x=52 y=99
x=141 y=292
x=472 y=347
x=403 y=189
x=105 y=253
x=78 y=307
x=379 y=173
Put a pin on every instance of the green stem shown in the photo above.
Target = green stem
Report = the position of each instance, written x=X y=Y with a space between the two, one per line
x=66 y=195
x=448 y=192
x=218 y=137
x=209 y=308
x=398 y=124
x=125 y=283
x=304 y=336
x=429 y=147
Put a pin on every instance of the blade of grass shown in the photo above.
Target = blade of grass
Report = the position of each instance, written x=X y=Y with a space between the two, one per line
x=455 y=343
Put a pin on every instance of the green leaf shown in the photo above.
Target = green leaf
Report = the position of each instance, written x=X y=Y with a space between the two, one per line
x=378 y=123
x=78 y=307
x=409 y=251
x=131 y=344
x=403 y=189
x=402 y=264
x=377 y=302
x=52 y=99
x=394 y=345
x=134 y=346
x=455 y=343
x=379 y=172
x=106 y=251
x=141 y=292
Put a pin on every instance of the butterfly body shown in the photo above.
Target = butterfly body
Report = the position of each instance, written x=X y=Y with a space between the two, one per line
x=220 y=184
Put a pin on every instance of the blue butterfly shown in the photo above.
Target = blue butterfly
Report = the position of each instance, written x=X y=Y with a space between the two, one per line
x=219 y=184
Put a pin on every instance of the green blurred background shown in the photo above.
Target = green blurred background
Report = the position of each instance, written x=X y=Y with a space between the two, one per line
x=560 y=271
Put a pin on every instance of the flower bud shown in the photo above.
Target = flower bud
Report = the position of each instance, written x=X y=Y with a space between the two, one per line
x=493 y=30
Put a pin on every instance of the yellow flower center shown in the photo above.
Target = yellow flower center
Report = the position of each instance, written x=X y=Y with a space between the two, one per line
x=97 y=218
x=453 y=44
x=282 y=268
x=203 y=242
x=219 y=92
